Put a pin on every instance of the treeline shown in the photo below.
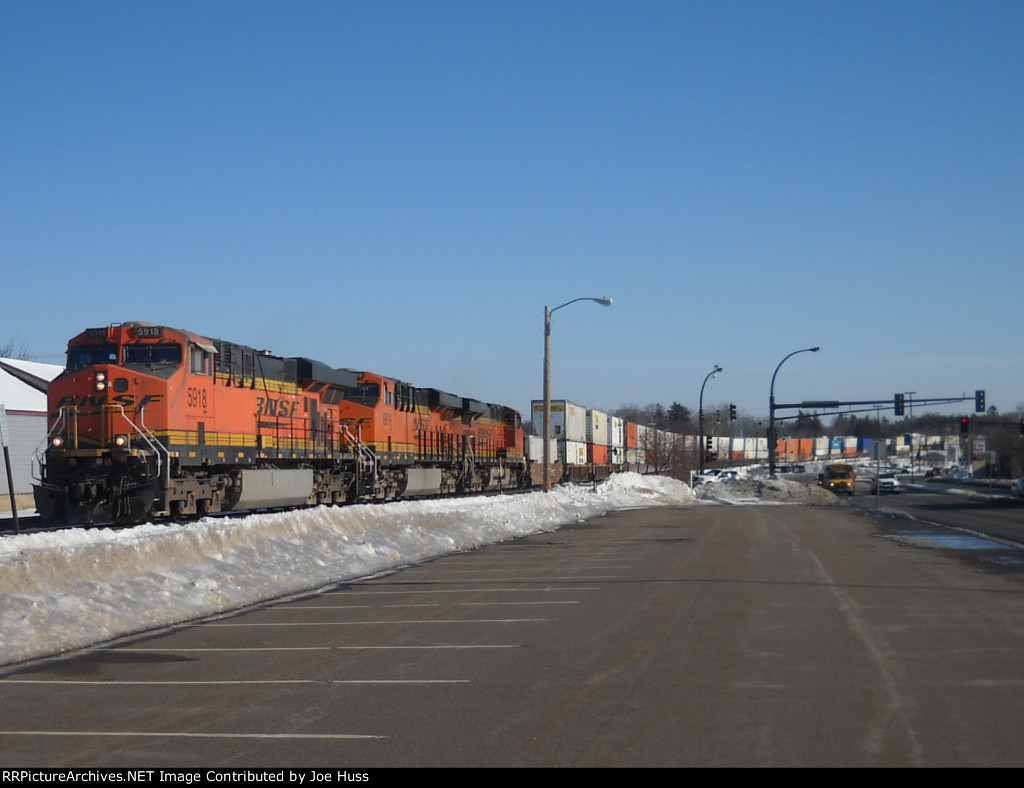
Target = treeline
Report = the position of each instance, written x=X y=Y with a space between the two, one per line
x=675 y=418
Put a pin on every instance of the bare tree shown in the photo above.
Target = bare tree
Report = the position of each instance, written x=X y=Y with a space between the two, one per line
x=7 y=350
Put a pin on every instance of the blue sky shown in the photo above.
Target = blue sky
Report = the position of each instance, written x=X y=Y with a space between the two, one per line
x=403 y=187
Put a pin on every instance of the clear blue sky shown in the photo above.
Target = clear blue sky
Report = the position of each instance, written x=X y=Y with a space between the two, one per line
x=403 y=186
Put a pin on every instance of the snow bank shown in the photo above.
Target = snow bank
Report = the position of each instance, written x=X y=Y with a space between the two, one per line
x=76 y=588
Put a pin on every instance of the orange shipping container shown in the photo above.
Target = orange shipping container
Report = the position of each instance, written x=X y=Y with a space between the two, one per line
x=597 y=454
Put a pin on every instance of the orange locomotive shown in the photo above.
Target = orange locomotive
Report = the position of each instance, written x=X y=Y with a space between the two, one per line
x=151 y=421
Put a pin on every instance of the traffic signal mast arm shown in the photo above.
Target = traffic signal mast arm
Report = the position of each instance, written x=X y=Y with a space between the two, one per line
x=869 y=404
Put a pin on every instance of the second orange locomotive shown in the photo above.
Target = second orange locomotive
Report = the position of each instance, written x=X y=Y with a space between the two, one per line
x=148 y=421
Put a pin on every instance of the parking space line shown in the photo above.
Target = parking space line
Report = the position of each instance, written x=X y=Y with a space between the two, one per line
x=301 y=648
x=383 y=621
x=425 y=604
x=146 y=683
x=183 y=735
x=365 y=589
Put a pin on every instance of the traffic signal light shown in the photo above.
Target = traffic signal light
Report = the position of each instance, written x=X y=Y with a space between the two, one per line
x=1022 y=426
x=732 y=413
x=899 y=404
x=708 y=442
x=963 y=425
x=979 y=401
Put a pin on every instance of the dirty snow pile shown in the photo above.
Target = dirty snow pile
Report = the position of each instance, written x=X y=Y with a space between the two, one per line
x=767 y=491
x=78 y=587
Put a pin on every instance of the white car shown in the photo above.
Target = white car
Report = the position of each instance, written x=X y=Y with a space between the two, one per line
x=714 y=475
x=885 y=483
x=1017 y=488
x=710 y=475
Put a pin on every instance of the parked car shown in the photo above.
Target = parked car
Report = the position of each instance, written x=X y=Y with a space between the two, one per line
x=885 y=483
x=708 y=476
x=1017 y=488
x=714 y=475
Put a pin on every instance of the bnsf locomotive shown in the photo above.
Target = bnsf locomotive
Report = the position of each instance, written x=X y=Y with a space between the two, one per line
x=149 y=421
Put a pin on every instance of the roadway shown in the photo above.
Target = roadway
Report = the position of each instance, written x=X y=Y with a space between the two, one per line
x=974 y=507
x=693 y=636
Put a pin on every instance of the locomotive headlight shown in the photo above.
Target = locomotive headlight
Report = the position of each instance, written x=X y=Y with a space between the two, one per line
x=100 y=382
x=57 y=442
x=121 y=441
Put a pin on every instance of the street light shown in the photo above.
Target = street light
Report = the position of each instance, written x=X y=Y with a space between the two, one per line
x=548 y=311
x=771 y=410
x=712 y=374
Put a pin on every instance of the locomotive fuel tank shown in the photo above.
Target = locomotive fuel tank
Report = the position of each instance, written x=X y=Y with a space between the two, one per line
x=269 y=489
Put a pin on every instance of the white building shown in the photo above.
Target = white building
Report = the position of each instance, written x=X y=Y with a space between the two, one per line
x=23 y=395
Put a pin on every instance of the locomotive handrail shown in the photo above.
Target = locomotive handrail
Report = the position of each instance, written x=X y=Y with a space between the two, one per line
x=40 y=451
x=365 y=452
x=368 y=458
x=147 y=436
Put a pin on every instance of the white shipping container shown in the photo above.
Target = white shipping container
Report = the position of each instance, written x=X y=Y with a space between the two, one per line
x=616 y=432
x=568 y=420
x=535 y=448
x=597 y=428
x=572 y=452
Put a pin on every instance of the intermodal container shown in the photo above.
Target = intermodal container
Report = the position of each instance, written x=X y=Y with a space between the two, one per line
x=631 y=435
x=568 y=420
x=572 y=452
x=597 y=427
x=616 y=432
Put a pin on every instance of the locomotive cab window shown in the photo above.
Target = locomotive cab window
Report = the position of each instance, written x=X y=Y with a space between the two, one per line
x=199 y=360
x=89 y=355
x=365 y=394
x=153 y=354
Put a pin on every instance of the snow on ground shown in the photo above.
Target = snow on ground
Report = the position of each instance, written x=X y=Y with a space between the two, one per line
x=78 y=587
x=762 y=490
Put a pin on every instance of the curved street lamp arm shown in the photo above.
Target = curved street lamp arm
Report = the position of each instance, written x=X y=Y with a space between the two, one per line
x=602 y=301
x=805 y=350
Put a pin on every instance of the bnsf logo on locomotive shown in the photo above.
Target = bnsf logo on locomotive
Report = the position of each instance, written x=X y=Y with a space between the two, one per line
x=280 y=408
x=95 y=402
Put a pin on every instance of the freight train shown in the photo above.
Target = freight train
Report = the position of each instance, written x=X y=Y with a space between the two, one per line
x=149 y=421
